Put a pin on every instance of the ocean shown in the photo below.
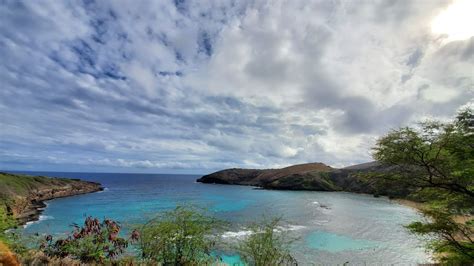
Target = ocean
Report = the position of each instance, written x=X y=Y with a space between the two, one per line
x=330 y=227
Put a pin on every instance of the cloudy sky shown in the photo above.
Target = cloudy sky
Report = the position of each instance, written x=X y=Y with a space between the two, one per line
x=196 y=86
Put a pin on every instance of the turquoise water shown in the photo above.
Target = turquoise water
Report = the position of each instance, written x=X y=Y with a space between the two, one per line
x=338 y=243
x=330 y=227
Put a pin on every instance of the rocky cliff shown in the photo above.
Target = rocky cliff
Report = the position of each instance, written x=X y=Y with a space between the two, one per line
x=312 y=176
x=23 y=196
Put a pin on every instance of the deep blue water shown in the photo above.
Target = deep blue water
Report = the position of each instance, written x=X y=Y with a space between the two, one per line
x=331 y=227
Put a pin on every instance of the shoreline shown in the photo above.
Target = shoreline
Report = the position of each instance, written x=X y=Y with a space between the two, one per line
x=23 y=197
x=32 y=212
x=418 y=206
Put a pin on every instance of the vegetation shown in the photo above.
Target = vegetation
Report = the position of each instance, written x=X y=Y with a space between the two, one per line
x=436 y=161
x=94 y=242
x=10 y=239
x=20 y=185
x=266 y=245
x=12 y=186
x=6 y=222
x=183 y=236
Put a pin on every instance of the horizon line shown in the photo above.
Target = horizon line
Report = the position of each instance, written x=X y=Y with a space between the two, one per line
x=52 y=171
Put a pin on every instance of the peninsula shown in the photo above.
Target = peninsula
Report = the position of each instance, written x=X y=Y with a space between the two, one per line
x=22 y=196
x=313 y=176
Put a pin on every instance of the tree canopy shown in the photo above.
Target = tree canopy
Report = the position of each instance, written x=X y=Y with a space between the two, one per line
x=436 y=161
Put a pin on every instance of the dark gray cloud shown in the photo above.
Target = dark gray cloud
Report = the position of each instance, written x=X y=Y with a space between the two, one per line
x=415 y=58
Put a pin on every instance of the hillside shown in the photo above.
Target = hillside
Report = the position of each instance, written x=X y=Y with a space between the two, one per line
x=311 y=176
x=22 y=196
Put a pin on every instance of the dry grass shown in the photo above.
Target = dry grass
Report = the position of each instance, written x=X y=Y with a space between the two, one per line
x=7 y=258
x=295 y=169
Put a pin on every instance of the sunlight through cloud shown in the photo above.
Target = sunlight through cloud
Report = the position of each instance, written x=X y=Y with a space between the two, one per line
x=456 y=22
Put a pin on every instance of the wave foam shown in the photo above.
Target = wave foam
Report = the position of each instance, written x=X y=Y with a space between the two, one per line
x=28 y=224
x=238 y=234
x=45 y=217
x=244 y=233
x=103 y=190
x=294 y=227
x=321 y=222
x=45 y=206
x=40 y=218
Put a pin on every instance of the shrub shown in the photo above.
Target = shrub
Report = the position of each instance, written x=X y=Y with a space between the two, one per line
x=94 y=242
x=183 y=236
x=6 y=222
x=266 y=245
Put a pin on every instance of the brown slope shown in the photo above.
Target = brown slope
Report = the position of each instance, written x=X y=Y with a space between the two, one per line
x=262 y=177
x=313 y=176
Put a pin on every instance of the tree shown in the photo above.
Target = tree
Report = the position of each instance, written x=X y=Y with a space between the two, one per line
x=183 y=236
x=266 y=245
x=436 y=161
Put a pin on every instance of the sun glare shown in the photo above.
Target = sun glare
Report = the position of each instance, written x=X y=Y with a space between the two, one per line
x=456 y=22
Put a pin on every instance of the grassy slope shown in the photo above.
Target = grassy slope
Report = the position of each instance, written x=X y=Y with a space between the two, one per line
x=16 y=186
x=12 y=185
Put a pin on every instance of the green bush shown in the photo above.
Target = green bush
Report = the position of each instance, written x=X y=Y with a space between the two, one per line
x=6 y=221
x=183 y=236
x=266 y=245
x=11 y=238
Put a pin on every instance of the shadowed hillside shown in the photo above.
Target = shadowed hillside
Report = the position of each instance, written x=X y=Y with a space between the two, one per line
x=311 y=176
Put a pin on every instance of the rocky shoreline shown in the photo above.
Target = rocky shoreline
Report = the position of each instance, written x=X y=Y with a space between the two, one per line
x=23 y=197
x=35 y=207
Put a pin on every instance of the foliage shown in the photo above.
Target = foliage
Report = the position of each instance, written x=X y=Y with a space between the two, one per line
x=94 y=242
x=10 y=237
x=183 y=236
x=436 y=161
x=6 y=221
x=451 y=237
x=266 y=245
x=36 y=257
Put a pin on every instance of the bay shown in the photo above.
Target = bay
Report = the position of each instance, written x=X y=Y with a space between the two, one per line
x=330 y=227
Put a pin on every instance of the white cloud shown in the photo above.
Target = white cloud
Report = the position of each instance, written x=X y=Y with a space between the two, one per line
x=208 y=85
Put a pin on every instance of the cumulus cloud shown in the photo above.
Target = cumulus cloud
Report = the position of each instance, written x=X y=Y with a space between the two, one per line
x=195 y=86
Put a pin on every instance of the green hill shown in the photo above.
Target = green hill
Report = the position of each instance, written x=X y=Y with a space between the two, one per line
x=21 y=196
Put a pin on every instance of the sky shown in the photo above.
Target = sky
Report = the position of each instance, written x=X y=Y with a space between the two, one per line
x=197 y=86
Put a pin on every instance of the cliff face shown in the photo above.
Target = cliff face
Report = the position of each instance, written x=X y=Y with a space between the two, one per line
x=313 y=176
x=23 y=196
